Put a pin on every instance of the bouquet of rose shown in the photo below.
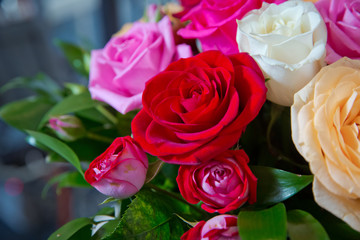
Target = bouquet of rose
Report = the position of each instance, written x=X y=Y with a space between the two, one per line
x=175 y=126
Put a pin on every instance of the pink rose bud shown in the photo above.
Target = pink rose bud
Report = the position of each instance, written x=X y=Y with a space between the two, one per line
x=67 y=127
x=219 y=227
x=120 y=171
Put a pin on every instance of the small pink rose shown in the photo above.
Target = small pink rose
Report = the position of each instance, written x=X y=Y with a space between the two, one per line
x=223 y=184
x=118 y=72
x=120 y=171
x=219 y=227
x=342 y=19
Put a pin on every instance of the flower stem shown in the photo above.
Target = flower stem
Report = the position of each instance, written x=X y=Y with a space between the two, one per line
x=107 y=114
x=100 y=138
x=117 y=209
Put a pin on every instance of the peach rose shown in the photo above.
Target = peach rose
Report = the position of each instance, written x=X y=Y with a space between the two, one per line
x=325 y=119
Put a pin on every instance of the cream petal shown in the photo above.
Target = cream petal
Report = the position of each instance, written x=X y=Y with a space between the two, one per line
x=344 y=208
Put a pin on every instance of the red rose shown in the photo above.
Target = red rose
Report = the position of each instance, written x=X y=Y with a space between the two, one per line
x=219 y=227
x=198 y=107
x=120 y=171
x=223 y=184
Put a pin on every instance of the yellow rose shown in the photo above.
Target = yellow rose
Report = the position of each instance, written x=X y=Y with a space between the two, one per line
x=325 y=119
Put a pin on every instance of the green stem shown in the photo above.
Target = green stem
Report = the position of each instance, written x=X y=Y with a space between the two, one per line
x=117 y=209
x=170 y=194
x=100 y=138
x=107 y=114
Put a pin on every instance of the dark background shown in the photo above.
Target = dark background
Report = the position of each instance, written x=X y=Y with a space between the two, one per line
x=28 y=29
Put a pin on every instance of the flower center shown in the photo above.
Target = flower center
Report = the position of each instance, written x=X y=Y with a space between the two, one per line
x=220 y=176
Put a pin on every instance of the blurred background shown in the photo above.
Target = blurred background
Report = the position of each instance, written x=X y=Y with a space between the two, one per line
x=28 y=29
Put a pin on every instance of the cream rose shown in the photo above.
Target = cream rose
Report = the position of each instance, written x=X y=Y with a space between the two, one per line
x=288 y=42
x=325 y=119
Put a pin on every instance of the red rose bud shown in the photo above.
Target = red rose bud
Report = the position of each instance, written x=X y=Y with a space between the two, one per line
x=67 y=127
x=198 y=107
x=219 y=227
x=223 y=184
x=120 y=171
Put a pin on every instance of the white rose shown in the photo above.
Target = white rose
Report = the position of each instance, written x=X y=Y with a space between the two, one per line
x=325 y=123
x=288 y=42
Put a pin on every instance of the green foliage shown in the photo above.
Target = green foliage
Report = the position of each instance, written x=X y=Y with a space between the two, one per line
x=59 y=147
x=153 y=170
x=77 y=57
x=70 y=104
x=334 y=227
x=79 y=228
x=151 y=216
x=263 y=224
x=66 y=179
x=275 y=185
x=301 y=225
x=41 y=84
x=94 y=115
x=26 y=113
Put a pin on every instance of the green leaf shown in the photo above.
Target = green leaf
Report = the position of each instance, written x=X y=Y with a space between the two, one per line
x=25 y=113
x=73 y=179
x=41 y=84
x=75 y=88
x=71 y=104
x=51 y=157
x=59 y=147
x=106 y=230
x=109 y=200
x=275 y=185
x=176 y=228
x=153 y=170
x=301 y=225
x=93 y=115
x=88 y=149
x=72 y=228
x=66 y=179
x=78 y=57
x=263 y=224
x=335 y=227
x=150 y=216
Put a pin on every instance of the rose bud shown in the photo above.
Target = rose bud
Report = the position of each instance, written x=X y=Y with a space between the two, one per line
x=223 y=184
x=120 y=171
x=67 y=127
x=219 y=227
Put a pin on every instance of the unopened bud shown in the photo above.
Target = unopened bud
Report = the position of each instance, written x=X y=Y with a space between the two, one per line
x=67 y=127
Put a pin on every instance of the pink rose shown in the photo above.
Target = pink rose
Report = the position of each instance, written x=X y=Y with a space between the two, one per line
x=214 y=23
x=120 y=171
x=219 y=227
x=189 y=3
x=118 y=72
x=342 y=19
x=223 y=184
